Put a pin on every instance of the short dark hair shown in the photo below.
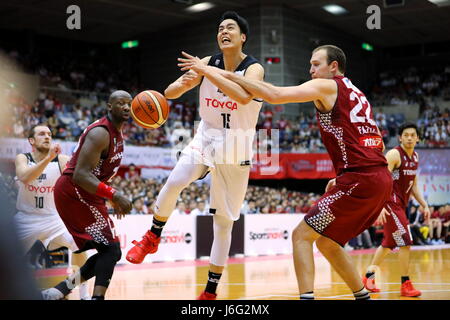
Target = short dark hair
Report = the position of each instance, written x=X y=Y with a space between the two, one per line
x=334 y=54
x=31 y=131
x=407 y=125
x=242 y=23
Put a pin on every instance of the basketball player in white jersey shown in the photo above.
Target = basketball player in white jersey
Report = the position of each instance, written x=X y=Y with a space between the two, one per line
x=37 y=218
x=227 y=111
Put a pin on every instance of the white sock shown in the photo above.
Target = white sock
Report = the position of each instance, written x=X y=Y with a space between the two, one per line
x=362 y=294
x=84 y=291
x=307 y=296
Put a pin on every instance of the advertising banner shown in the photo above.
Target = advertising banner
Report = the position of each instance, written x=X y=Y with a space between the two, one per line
x=178 y=240
x=434 y=175
x=269 y=234
x=153 y=157
x=293 y=166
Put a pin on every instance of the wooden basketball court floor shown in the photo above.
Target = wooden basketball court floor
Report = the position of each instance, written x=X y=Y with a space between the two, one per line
x=269 y=278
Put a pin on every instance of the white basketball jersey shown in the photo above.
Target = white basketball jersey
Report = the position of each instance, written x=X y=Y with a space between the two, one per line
x=218 y=110
x=37 y=196
x=226 y=122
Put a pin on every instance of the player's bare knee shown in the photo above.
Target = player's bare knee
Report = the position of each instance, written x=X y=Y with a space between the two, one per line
x=302 y=233
x=326 y=245
x=299 y=236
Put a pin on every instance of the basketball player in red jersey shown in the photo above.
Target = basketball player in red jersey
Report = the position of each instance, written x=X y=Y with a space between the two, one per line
x=403 y=162
x=354 y=199
x=80 y=195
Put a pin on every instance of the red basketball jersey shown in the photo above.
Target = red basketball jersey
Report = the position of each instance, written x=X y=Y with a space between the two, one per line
x=404 y=177
x=349 y=131
x=106 y=167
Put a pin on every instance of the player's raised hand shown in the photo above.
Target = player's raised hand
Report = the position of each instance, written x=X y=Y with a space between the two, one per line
x=382 y=217
x=55 y=149
x=191 y=63
x=189 y=77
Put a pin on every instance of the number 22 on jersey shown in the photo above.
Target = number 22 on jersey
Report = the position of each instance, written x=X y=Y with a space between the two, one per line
x=362 y=103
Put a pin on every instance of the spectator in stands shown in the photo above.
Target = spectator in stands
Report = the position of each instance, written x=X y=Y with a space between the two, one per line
x=192 y=205
x=180 y=136
x=415 y=226
x=132 y=173
x=252 y=207
x=364 y=240
x=435 y=223
x=139 y=207
x=445 y=219
x=18 y=129
x=181 y=208
x=53 y=124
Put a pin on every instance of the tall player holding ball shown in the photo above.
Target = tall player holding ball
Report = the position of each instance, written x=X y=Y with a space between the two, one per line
x=229 y=178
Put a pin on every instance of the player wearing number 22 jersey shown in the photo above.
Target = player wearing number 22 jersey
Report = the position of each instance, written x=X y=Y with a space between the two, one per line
x=353 y=201
x=355 y=146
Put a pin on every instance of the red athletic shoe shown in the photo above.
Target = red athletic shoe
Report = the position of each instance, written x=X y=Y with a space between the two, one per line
x=207 y=296
x=148 y=244
x=408 y=290
x=369 y=284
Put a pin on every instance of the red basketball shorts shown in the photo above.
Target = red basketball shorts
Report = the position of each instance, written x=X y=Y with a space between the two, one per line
x=85 y=215
x=396 y=229
x=352 y=205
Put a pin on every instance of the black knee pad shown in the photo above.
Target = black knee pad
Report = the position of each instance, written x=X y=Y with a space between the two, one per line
x=106 y=261
x=116 y=252
x=111 y=250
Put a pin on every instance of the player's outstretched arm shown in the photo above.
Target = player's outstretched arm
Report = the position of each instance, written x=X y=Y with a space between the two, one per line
x=312 y=90
x=186 y=82
x=217 y=77
x=27 y=174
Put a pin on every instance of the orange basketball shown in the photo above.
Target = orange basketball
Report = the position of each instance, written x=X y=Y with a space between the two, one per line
x=150 y=109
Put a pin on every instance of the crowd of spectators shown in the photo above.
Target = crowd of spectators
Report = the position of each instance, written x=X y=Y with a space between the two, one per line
x=434 y=127
x=301 y=135
x=143 y=192
x=68 y=118
x=67 y=73
x=411 y=85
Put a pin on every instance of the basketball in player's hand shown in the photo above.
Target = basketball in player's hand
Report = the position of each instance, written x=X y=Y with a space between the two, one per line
x=150 y=109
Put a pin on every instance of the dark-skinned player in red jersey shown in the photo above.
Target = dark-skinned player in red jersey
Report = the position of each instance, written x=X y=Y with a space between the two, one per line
x=80 y=195
x=354 y=199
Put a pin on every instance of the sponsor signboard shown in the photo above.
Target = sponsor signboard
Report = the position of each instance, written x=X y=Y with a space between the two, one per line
x=178 y=240
x=269 y=234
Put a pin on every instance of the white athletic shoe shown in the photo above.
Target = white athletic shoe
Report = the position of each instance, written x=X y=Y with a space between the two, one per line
x=52 y=294
x=84 y=291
